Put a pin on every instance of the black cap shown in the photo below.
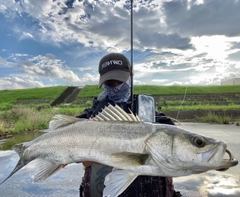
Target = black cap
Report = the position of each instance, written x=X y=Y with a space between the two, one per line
x=114 y=66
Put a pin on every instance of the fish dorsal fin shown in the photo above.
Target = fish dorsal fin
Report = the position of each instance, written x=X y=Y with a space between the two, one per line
x=116 y=113
x=62 y=120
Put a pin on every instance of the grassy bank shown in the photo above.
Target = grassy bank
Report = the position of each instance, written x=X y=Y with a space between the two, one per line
x=8 y=98
x=92 y=91
x=31 y=115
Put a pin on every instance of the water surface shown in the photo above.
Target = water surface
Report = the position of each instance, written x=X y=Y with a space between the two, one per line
x=6 y=144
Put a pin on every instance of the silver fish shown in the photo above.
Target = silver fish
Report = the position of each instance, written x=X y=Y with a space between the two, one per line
x=121 y=140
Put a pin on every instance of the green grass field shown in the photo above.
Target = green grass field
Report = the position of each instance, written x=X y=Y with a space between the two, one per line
x=91 y=91
x=31 y=93
x=9 y=97
x=15 y=117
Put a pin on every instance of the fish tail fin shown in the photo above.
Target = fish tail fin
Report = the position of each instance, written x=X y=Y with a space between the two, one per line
x=19 y=148
x=19 y=165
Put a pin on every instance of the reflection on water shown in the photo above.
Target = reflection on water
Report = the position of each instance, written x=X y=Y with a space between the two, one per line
x=2 y=141
x=209 y=184
x=6 y=144
x=224 y=184
x=64 y=183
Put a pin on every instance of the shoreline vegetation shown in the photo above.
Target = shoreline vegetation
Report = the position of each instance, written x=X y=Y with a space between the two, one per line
x=28 y=110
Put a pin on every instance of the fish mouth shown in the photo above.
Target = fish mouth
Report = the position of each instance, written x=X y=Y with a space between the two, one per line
x=227 y=163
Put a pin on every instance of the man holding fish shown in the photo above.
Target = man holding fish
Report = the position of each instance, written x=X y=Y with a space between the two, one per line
x=115 y=77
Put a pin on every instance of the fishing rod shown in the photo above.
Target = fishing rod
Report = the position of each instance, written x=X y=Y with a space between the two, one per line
x=132 y=89
x=148 y=100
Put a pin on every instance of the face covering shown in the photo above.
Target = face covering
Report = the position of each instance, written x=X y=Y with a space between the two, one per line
x=118 y=94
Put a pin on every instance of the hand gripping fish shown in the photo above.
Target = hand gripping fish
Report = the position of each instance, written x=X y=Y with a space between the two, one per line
x=121 y=140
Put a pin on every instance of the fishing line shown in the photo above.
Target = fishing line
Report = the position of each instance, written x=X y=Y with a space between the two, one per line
x=184 y=98
x=185 y=94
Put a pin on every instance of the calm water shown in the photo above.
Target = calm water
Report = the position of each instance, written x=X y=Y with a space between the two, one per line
x=6 y=144
x=66 y=181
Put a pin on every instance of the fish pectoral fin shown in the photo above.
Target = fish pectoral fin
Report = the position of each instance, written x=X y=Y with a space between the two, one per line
x=46 y=169
x=117 y=181
x=128 y=159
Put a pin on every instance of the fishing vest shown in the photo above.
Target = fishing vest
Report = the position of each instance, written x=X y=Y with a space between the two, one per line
x=97 y=177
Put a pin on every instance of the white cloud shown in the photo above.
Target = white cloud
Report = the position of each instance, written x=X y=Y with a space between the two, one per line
x=26 y=35
x=137 y=82
x=48 y=67
x=42 y=68
x=208 y=18
x=174 y=83
x=172 y=39
x=19 y=82
x=4 y=63
x=106 y=23
x=159 y=80
x=85 y=68
x=90 y=79
x=217 y=47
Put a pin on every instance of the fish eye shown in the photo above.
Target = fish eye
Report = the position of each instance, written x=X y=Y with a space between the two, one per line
x=199 y=142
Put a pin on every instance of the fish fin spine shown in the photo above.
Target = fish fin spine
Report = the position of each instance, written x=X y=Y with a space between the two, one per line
x=116 y=114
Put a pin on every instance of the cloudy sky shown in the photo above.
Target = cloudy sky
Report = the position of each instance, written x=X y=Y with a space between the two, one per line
x=57 y=42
